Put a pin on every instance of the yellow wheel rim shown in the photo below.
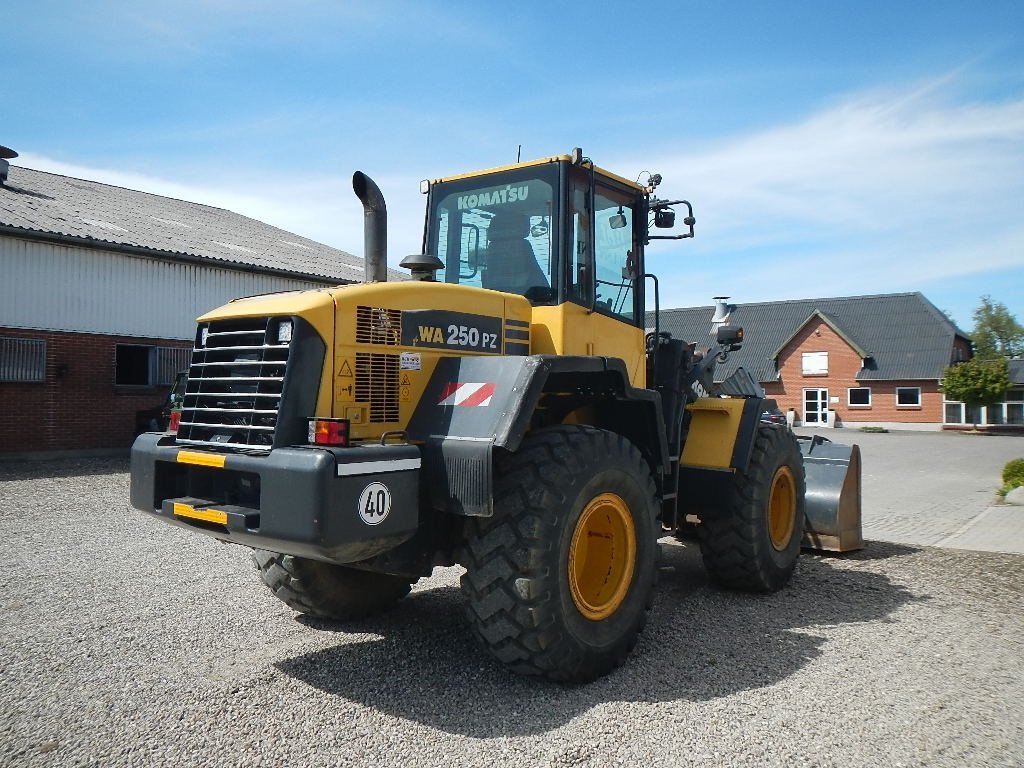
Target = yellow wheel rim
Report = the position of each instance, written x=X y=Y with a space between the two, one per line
x=782 y=508
x=602 y=556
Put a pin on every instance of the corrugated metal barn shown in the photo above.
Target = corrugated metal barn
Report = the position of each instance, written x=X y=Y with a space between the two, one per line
x=99 y=290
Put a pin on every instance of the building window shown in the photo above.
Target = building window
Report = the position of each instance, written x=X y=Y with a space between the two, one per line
x=859 y=397
x=1009 y=412
x=141 y=365
x=170 y=360
x=908 y=397
x=954 y=413
x=22 y=360
x=1015 y=413
x=815 y=363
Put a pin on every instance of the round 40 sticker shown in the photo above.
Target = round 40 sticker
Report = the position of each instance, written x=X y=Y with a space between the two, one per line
x=374 y=503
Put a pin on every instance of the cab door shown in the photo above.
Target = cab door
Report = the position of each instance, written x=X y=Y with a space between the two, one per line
x=602 y=312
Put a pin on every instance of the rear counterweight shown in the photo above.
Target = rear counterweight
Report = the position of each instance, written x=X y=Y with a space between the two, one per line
x=340 y=505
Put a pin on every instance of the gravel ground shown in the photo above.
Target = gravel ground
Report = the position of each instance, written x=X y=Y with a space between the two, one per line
x=127 y=642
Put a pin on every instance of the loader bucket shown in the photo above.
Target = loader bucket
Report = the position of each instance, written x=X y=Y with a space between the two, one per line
x=832 y=503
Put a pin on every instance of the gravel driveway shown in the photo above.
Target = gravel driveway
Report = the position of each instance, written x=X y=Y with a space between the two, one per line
x=126 y=642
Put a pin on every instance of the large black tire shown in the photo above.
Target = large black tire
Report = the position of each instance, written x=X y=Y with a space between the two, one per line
x=559 y=581
x=327 y=591
x=753 y=541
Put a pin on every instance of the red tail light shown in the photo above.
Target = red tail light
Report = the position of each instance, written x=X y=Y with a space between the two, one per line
x=173 y=421
x=325 y=431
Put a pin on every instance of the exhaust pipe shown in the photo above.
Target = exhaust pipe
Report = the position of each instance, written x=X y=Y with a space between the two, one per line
x=375 y=227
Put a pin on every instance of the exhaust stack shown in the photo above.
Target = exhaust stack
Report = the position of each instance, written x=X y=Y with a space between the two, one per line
x=375 y=227
x=6 y=153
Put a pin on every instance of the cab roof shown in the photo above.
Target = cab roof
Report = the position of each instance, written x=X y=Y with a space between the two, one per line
x=540 y=161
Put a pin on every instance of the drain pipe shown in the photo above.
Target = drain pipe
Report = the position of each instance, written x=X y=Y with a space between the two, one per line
x=375 y=227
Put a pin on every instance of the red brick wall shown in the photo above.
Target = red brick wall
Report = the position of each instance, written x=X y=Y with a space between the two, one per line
x=78 y=406
x=843 y=365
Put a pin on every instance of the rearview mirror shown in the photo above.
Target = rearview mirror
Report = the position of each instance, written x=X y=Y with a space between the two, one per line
x=664 y=219
x=618 y=221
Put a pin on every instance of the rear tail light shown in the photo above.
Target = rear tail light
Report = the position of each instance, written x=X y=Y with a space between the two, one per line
x=324 y=431
x=173 y=421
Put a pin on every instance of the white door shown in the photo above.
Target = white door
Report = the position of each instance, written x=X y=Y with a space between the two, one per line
x=815 y=406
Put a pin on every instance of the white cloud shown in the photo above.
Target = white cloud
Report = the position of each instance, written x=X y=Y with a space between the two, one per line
x=880 y=192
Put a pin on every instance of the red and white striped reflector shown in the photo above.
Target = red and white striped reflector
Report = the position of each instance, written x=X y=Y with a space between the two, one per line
x=466 y=394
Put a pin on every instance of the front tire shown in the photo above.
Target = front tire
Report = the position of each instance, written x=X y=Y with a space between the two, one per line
x=559 y=580
x=326 y=591
x=752 y=543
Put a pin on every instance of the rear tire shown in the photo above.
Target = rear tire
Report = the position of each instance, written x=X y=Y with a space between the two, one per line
x=327 y=591
x=752 y=543
x=559 y=580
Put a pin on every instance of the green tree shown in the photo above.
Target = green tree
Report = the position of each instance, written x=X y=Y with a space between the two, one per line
x=996 y=332
x=977 y=382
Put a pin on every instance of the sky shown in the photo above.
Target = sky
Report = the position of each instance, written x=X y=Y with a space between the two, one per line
x=828 y=148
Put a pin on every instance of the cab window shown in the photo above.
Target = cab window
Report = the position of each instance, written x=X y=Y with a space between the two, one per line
x=614 y=249
x=497 y=236
x=579 y=272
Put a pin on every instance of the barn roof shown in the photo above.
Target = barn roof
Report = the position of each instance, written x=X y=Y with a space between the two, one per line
x=43 y=205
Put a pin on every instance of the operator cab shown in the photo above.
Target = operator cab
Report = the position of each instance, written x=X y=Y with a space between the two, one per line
x=555 y=230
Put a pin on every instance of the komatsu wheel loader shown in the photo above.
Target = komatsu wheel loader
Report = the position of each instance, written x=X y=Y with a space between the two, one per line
x=507 y=409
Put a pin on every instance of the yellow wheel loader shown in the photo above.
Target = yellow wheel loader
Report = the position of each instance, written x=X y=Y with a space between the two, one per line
x=507 y=409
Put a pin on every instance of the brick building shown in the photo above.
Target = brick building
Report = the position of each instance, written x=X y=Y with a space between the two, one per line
x=1007 y=416
x=99 y=290
x=849 y=361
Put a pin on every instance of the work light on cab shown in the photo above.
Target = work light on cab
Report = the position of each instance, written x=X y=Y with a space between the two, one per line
x=327 y=431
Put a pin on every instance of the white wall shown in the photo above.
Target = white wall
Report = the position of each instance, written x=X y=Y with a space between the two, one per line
x=69 y=288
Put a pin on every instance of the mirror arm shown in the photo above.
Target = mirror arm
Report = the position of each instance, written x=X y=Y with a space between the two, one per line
x=689 y=221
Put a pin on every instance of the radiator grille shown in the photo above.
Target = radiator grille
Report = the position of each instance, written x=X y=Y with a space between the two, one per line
x=377 y=383
x=376 y=325
x=235 y=384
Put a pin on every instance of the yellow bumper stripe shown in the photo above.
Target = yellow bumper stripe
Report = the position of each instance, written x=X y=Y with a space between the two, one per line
x=202 y=459
x=206 y=515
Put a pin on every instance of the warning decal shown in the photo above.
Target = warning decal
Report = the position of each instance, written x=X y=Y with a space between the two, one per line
x=467 y=394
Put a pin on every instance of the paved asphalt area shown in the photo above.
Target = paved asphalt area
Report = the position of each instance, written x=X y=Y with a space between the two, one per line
x=124 y=642
x=937 y=488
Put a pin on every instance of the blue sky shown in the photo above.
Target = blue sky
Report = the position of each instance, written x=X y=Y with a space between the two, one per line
x=828 y=148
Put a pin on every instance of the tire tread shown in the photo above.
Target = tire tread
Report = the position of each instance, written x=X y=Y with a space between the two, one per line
x=327 y=591
x=512 y=602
